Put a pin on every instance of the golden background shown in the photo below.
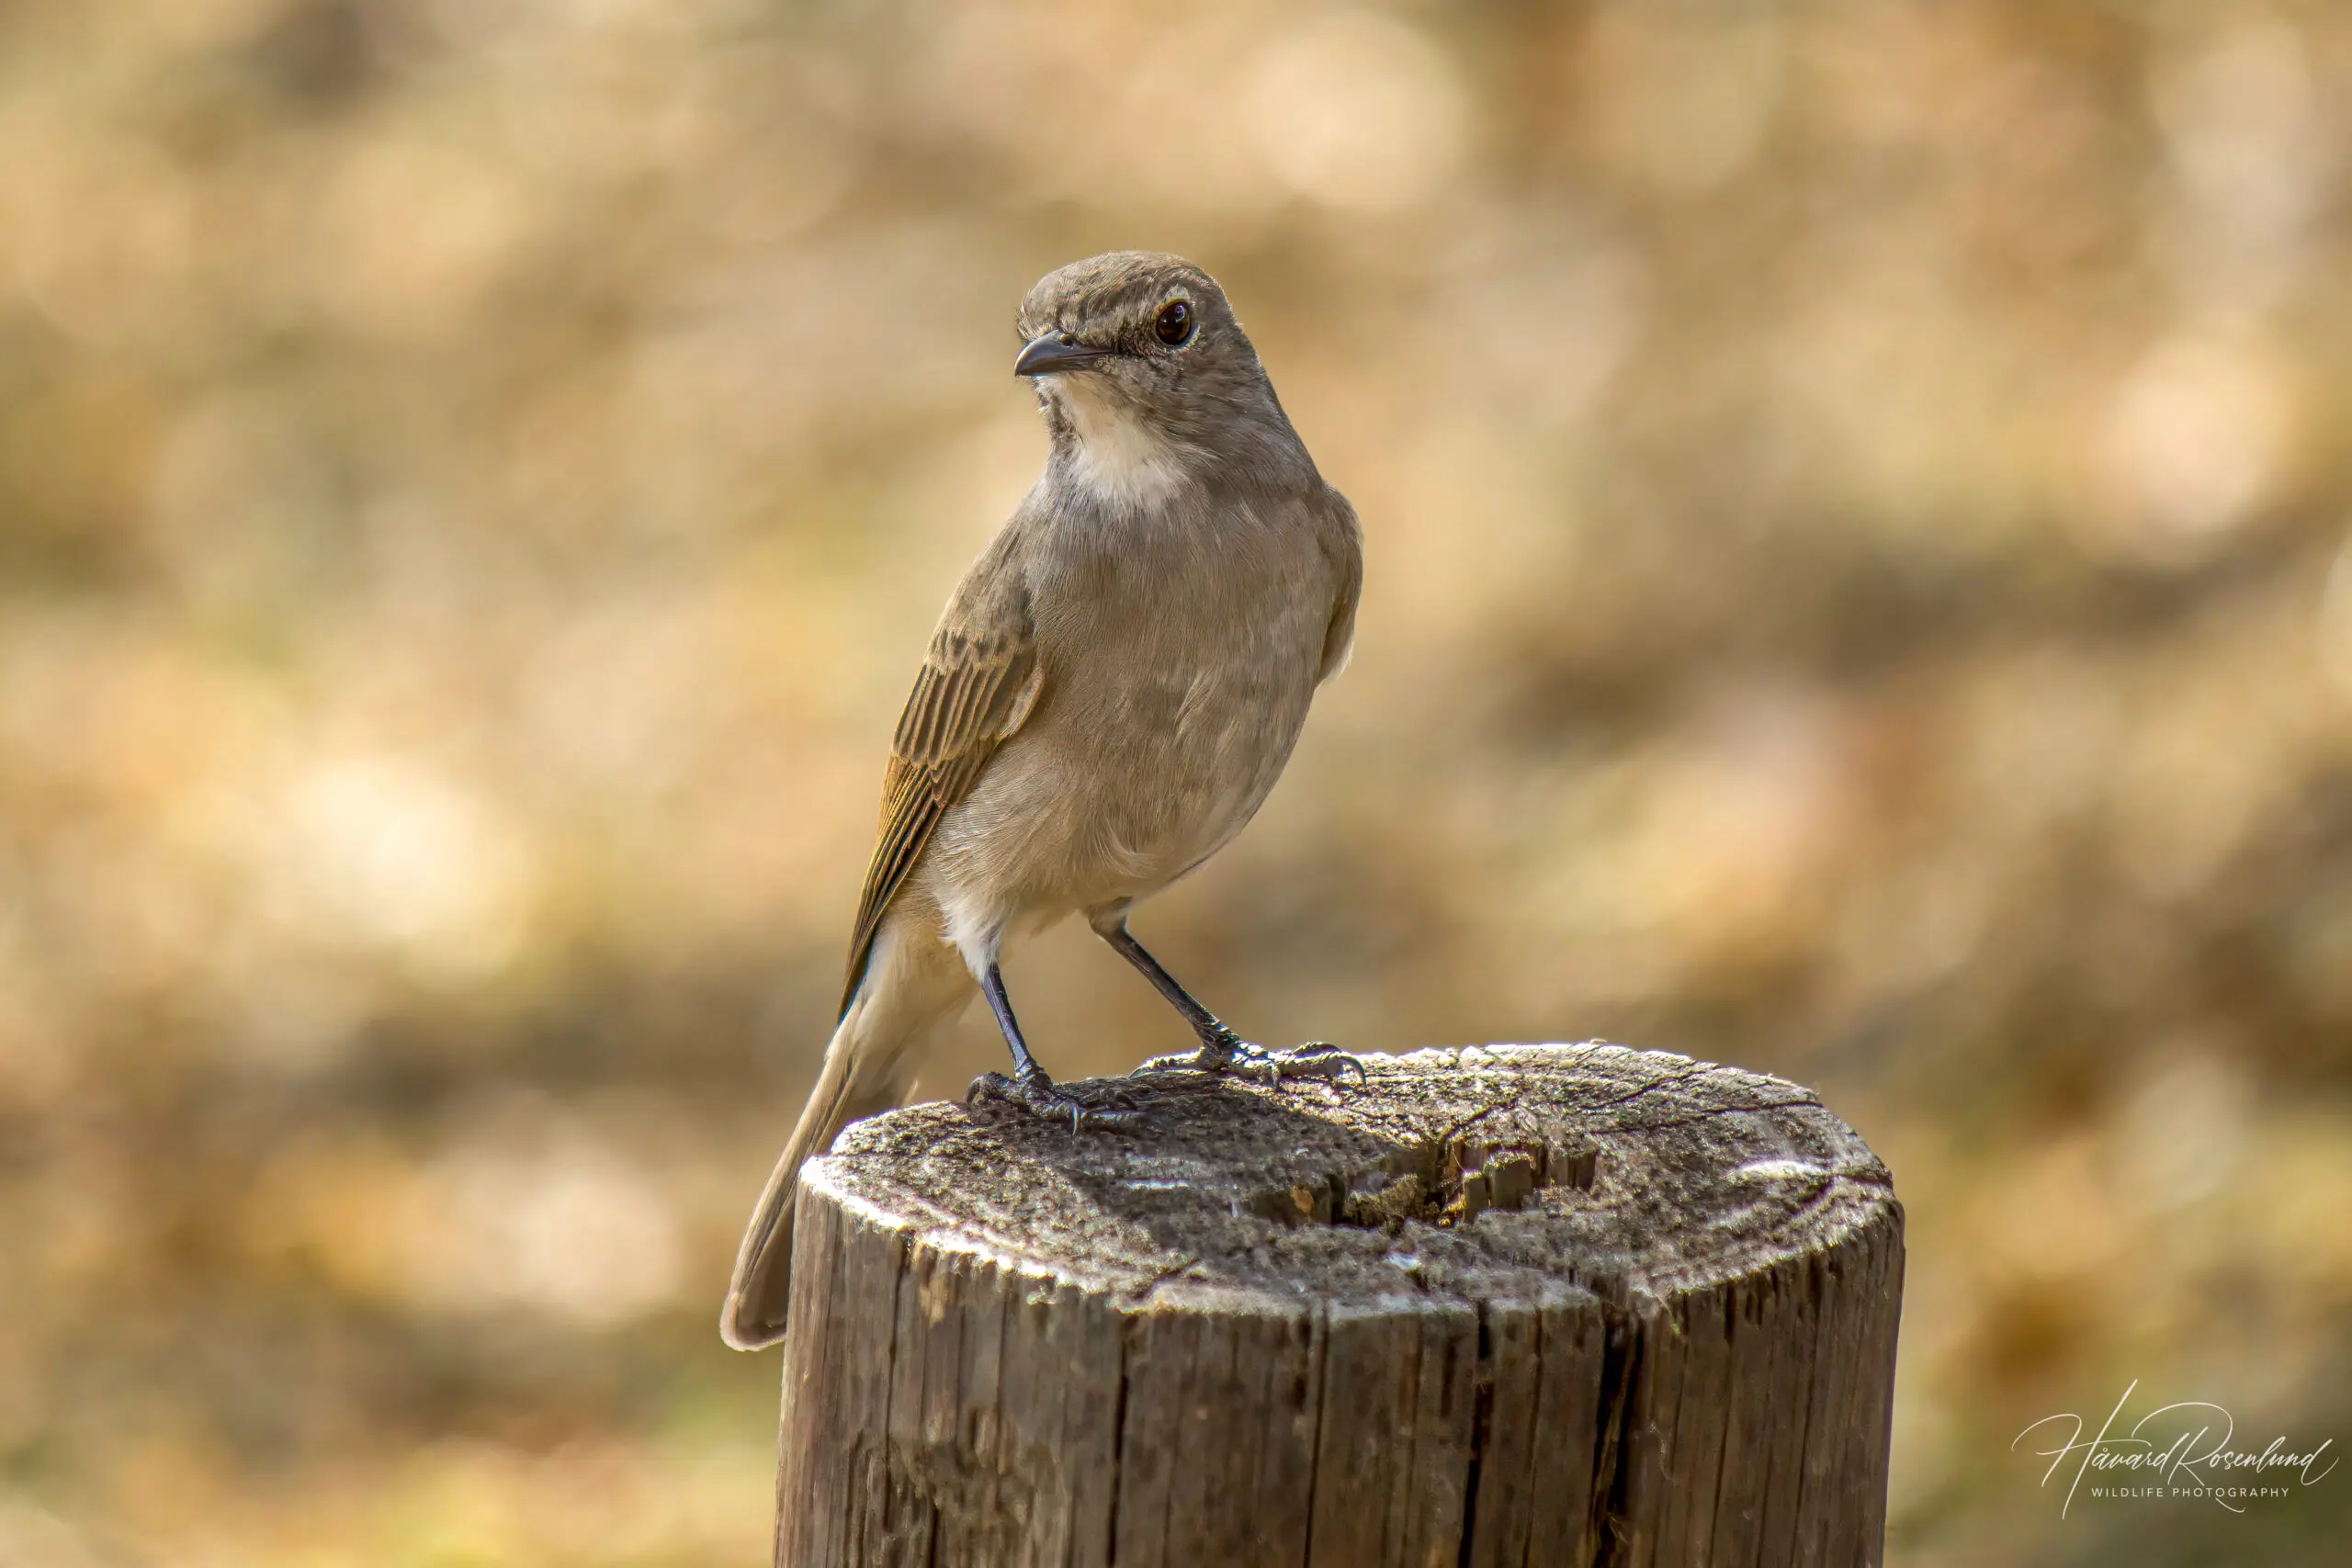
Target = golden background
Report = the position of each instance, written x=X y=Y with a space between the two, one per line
x=1856 y=501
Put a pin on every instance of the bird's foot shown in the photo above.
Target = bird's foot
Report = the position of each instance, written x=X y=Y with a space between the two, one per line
x=1034 y=1092
x=1226 y=1051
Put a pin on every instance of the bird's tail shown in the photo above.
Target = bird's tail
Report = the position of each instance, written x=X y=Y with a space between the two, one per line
x=903 y=995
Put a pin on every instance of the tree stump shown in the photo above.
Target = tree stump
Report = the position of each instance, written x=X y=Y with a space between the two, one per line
x=1540 y=1304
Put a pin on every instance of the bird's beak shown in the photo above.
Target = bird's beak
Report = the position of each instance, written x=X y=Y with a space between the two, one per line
x=1054 y=352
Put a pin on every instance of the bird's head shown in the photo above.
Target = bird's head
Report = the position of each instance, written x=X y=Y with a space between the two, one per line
x=1142 y=373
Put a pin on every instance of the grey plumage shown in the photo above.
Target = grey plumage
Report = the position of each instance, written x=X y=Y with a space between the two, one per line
x=1114 y=689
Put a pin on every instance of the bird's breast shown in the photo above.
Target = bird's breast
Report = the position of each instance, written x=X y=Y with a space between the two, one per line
x=1177 y=679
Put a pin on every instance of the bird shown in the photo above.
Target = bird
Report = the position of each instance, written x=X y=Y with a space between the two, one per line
x=1112 y=690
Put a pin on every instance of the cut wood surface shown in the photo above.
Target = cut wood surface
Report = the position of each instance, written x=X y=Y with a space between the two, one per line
x=1512 y=1305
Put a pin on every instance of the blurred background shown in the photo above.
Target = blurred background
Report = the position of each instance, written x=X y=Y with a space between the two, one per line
x=1857 y=503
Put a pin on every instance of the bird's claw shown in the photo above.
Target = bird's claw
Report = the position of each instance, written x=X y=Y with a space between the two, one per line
x=1316 y=1059
x=1037 y=1093
x=1231 y=1054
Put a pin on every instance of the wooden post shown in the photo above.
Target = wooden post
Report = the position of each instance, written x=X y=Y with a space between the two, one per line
x=1541 y=1304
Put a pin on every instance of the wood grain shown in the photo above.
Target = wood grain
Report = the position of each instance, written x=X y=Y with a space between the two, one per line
x=1503 y=1306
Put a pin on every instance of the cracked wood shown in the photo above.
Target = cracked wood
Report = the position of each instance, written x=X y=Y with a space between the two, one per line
x=1507 y=1306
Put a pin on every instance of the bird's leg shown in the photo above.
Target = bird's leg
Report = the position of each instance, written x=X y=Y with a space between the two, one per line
x=1223 y=1051
x=1029 y=1087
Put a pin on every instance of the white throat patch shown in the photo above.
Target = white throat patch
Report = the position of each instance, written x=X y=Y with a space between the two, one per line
x=1119 y=458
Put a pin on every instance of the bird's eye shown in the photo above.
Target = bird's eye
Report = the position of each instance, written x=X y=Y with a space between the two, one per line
x=1175 y=323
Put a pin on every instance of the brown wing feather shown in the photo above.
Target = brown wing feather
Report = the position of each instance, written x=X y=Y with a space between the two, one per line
x=1342 y=541
x=972 y=693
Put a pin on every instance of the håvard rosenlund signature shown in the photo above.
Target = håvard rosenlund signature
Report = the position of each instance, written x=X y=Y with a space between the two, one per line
x=2176 y=1450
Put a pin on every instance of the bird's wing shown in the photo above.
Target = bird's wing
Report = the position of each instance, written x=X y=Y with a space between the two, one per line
x=979 y=682
x=1344 y=544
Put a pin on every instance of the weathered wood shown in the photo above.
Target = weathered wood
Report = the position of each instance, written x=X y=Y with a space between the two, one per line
x=1510 y=1305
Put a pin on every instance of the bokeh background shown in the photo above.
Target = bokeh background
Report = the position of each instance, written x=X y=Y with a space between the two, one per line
x=1857 y=500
